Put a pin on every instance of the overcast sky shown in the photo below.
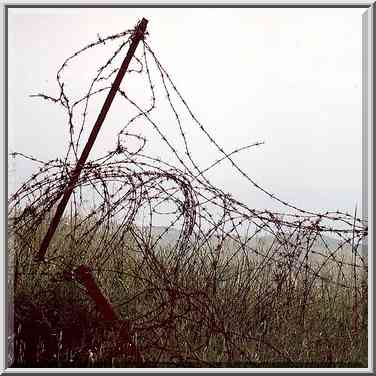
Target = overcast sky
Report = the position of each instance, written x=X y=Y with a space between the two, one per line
x=289 y=77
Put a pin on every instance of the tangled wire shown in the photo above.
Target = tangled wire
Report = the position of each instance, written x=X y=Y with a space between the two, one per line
x=174 y=293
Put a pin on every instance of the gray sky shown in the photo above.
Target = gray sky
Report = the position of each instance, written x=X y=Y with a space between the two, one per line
x=289 y=77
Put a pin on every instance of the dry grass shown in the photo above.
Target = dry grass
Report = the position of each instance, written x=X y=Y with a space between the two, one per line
x=205 y=309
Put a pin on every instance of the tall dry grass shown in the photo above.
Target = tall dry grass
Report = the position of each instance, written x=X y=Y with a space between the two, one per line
x=204 y=309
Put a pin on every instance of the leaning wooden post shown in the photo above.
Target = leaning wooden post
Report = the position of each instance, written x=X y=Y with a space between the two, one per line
x=136 y=37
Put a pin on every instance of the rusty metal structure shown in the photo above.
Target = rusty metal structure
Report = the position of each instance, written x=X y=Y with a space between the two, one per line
x=136 y=37
x=217 y=289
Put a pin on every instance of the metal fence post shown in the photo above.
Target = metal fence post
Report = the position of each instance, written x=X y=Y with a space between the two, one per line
x=138 y=34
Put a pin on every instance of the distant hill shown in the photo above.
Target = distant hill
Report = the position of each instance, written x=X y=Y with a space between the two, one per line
x=323 y=242
x=171 y=236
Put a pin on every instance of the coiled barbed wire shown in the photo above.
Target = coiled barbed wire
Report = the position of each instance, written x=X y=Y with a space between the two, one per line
x=217 y=235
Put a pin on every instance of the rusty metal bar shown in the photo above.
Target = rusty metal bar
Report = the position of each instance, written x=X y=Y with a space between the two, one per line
x=84 y=275
x=136 y=37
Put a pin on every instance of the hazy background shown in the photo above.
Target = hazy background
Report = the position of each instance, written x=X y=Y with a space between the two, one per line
x=289 y=77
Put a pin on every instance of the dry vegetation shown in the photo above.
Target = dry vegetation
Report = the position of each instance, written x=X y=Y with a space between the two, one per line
x=207 y=309
x=215 y=297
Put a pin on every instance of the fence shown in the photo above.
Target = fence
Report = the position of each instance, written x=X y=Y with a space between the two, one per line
x=216 y=294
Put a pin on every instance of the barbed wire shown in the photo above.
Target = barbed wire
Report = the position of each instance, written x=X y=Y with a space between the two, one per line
x=221 y=244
